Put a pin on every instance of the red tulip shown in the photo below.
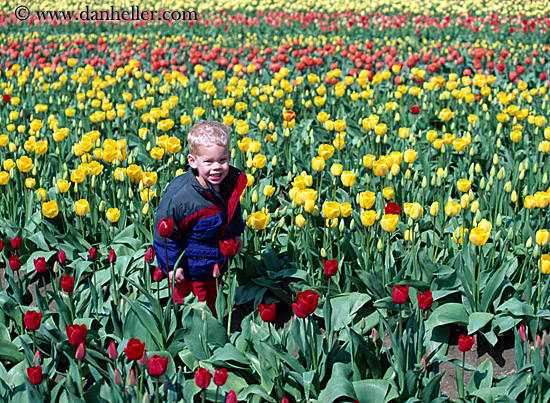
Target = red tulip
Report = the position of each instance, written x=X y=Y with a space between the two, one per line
x=40 y=264
x=228 y=247
x=522 y=333
x=61 y=256
x=400 y=294
x=37 y=357
x=157 y=365
x=134 y=349
x=415 y=110
x=131 y=377
x=14 y=262
x=425 y=300
x=76 y=334
x=113 y=353
x=267 y=312
x=112 y=256
x=158 y=275
x=118 y=376
x=306 y=304
x=67 y=283
x=289 y=116
x=80 y=351
x=220 y=377
x=165 y=227
x=16 y=242
x=32 y=320
x=202 y=378
x=1 y=245
x=392 y=208
x=92 y=253
x=285 y=400
x=150 y=255
x=216 y=272
x=231 y=397
x=465 y=342
x=35 y=375
x=143 y=359
x=330 y=267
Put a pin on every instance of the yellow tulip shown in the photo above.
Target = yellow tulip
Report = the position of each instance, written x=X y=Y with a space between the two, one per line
x=368 y=217
x=318 y=163
x=431 y=136
x=544 y=264
x=50 y=209
x=542 y=237
x=81 y=207
x=347 y=178
x=529 y=202
x=452 y=208
x=30 y=183
x=445 y=115
x=336 y=169
x=269 y=190
x=309 y=205
x=113 y=215
x=388 y=193
x=410 y=156
x=331 y=223
x=149 y=179
x=254 y=147
x=463 y=185
x=146 y=195
x=173 y=145
x=4 y=178
x=259 y=161
x=331 y=210
x=326 y=151
x=41 y=192
x=300 y=221
x=415 y=211
x=244 y=144
x=486 y=225
x=258 y=220
x=389 y=222
x=78 y=176
x=479 y=236
x=24 y=164
x=135 y=173
x=41 y=148
x=516 y=136
x=249 y=180
x=380 y=129
x=340 y=125
x=367 y=199
x=542 y=199
x=345 y=209
x=368 y=160
x=379 y=168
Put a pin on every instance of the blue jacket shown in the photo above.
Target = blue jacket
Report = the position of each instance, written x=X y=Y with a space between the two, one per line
x=202 y=217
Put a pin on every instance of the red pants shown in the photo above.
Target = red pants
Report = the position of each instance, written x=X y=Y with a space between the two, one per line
x=204 y=290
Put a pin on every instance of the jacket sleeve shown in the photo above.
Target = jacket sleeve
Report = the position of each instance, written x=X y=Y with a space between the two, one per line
x=168 y=253
x=237 y=223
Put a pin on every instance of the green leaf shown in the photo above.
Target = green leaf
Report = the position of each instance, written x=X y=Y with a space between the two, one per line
x=146 y=317
x=371 y=390
x=447 y=313
x=517 y=308
x=478 y=320
x=482 y=377
x=344 y=308
x=9 y=352
x=271 y=260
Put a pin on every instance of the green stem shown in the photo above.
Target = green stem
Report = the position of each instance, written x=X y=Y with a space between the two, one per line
x=229 y=297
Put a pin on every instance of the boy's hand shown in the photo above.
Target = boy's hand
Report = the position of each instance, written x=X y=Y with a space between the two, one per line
x=239 y=244
x=179 y=276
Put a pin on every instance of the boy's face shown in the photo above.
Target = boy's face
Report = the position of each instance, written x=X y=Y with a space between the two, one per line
x=212 y=164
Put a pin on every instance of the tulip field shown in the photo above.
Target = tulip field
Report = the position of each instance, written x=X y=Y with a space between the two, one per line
x=397 y=202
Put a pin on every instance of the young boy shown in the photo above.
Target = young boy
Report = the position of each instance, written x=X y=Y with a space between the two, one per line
x=204 y=205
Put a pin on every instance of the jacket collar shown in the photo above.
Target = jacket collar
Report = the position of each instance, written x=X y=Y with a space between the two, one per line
x=229 y=184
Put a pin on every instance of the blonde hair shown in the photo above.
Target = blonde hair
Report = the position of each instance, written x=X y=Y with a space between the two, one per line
x=207 y=132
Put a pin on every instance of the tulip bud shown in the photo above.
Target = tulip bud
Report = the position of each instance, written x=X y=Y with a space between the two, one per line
x=407 y=174
x=521 y=175
x=499 y=143
x=438 y=181
x=283 y=210
x=380 y=245
x=545 y=179
x=424 y=182
x=315 y=211
x=390 y=176
x=351 y=225
x=498 y=221
x=323 y=253
x=281 y=222
x=501 y=174
x=341 y=226
x=465 y=201
x=514 y=197
x=482 y=184
x=432 y=182
x=495 y=159
x=529 y=242
x=508 y=187
x=492 y=172
x=478 y=216
x=55 y=267
x=510 y=234
x=132 y=207
x=145 y=209
x=274 y=161
x=536 y=251
x=255 y=196
x=535 y=167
